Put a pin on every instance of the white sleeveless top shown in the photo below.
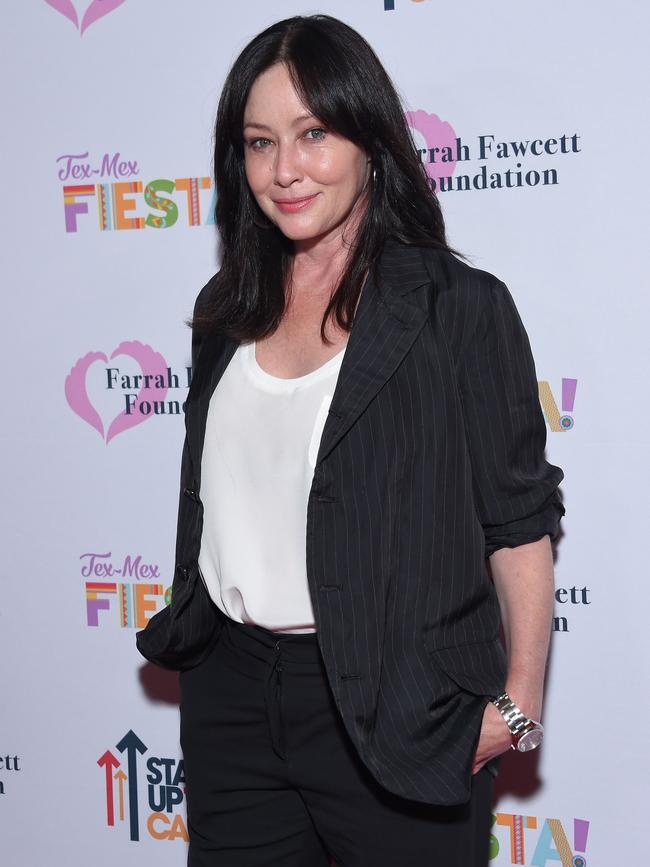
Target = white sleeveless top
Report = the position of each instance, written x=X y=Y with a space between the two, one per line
x=261 y=440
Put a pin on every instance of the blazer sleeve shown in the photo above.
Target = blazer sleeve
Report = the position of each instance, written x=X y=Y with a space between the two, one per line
x=515 y=489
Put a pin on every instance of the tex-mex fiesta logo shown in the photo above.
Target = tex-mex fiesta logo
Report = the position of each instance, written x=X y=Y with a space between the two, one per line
x=143 y=791
x=125 y=590
x=108 y=189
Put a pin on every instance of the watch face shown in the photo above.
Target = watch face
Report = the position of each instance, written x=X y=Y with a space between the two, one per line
x=530 y=740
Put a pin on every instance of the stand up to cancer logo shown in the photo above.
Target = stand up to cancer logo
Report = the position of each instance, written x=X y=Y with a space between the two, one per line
x=143 y=791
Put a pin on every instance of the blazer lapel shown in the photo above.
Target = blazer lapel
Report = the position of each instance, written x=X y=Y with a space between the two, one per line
x=389 y=316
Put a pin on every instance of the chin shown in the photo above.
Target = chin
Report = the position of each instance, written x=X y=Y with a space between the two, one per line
x=299 y=233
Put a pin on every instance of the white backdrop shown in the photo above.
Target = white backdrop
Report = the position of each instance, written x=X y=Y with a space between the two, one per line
x=106 y=105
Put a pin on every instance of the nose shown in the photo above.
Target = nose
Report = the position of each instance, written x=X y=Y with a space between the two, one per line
x=287 y=164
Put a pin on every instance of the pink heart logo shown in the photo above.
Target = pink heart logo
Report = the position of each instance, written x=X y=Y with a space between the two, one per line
x=96 y=10
x=436 y=133
x=76 y=391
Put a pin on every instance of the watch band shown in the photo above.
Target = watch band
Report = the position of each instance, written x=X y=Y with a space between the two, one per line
x=518 y=723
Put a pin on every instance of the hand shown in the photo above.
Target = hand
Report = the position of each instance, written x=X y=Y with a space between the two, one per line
x=494 y=739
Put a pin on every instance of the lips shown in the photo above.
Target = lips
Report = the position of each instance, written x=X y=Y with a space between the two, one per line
x=289 y=206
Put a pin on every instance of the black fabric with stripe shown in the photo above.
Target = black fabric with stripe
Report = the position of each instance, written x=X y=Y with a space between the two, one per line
x=431 y=458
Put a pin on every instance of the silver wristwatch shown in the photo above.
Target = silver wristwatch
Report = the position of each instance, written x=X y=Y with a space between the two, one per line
x=526 y=733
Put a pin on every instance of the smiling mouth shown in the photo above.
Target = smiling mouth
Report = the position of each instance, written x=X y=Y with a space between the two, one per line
x=291 y=205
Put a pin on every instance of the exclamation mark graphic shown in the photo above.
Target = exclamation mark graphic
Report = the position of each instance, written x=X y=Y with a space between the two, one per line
x=580 y=833
x=568 y=399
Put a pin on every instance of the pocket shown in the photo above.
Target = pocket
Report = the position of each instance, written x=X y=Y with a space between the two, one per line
x=480 y=668
x=317 y=431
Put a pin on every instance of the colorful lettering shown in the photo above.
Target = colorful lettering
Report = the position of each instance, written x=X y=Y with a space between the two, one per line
x=552 y=845
x=71 y=207
x=161 y=203
x=115 y=205
x=136 y=607
x=558 y=421
x=192 y=186
x=122 y=205
x=516 y=825
x=94 y=604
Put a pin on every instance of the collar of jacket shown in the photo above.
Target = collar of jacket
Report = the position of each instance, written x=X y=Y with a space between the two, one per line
x=389 y=316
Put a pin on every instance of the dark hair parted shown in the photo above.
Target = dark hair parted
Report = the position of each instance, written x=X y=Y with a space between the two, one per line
x=341 y=81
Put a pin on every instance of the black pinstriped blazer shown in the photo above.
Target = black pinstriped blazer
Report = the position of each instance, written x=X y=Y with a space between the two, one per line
x=431 y=458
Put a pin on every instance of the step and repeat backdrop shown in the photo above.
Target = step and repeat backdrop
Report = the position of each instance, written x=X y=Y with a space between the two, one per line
x=530 y=123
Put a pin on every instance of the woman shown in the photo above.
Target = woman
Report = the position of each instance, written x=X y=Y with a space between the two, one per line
x=363 y=430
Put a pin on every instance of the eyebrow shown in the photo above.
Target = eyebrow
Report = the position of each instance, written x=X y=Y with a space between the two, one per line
x=295 y=121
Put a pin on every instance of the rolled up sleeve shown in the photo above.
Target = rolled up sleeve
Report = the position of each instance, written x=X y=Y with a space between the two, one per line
x=515 y=488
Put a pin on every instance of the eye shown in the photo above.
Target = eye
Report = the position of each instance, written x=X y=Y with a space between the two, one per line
x=257 y=144
x=320 y=133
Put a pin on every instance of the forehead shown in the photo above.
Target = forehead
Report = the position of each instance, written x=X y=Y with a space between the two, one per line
x=273 y=97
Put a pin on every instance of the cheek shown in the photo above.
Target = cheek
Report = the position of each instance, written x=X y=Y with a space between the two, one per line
x=257 y=176
x=337 y=168
x=322 y=165
x=322 y=169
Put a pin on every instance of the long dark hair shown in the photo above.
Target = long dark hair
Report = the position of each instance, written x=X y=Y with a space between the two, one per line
x=341 y=81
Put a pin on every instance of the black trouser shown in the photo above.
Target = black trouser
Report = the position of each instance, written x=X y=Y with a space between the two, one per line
x=273 y=779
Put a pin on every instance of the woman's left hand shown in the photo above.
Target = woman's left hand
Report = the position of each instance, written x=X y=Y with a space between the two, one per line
x=494 y=739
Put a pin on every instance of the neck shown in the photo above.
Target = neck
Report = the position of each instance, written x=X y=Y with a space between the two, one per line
x=321 y=261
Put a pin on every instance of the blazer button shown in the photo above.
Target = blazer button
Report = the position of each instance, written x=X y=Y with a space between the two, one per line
x=191 y=493
x=183 y=572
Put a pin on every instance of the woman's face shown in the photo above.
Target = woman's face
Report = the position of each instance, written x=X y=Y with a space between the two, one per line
x=305 y=178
